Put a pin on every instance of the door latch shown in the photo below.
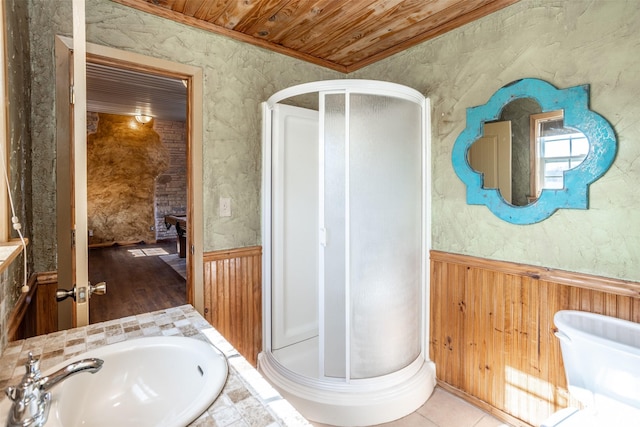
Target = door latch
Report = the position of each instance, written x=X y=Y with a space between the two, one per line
x=79 y=295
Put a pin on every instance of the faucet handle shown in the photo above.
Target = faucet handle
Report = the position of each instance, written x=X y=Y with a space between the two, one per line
x=31 y=403
x=29 y=381
x=11 y=392
x=20 y=392
x=32 y=366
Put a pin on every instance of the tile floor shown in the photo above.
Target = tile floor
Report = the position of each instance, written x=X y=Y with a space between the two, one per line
x=443 y=409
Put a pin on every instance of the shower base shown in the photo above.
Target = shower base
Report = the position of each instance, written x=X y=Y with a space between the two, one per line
x=301 y=358
x=356 y=403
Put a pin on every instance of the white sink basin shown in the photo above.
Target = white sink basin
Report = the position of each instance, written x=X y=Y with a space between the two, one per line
x=155 y=381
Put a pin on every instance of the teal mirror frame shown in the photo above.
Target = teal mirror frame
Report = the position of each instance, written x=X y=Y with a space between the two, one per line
x=574 y=101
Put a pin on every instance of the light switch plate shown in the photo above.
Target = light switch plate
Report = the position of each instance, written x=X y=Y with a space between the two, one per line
x=225 y=206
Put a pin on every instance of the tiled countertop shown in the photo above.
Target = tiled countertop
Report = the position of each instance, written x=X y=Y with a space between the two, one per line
x=247 y=400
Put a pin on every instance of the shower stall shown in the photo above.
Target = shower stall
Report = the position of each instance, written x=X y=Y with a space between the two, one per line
x=346 y=222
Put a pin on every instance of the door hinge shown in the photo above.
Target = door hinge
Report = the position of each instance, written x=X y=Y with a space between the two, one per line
x=72 y=95
x=73 y=238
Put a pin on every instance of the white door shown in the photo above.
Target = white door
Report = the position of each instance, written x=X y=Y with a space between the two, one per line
x=71 y=172
x=295 y=225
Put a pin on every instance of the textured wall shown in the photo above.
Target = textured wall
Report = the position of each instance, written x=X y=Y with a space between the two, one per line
x=237 y=78
x=11 y=280
x=19 y=147
x=46 y=19
x=566 y=43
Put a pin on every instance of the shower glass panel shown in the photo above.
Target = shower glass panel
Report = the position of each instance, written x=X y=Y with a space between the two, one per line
x=334 y=223
x=385 y=211
x=372 y=223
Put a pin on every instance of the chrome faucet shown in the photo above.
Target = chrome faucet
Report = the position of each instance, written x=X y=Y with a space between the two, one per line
x=31 y=398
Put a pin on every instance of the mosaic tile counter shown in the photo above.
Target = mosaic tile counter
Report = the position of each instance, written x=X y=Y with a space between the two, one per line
x=246 y=400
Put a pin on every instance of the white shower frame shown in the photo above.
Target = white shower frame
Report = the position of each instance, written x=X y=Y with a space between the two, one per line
x=299 y=384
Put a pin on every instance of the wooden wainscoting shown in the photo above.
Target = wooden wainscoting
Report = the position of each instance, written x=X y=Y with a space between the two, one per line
x=233 y=297
x=492 y=331
x=36 y=312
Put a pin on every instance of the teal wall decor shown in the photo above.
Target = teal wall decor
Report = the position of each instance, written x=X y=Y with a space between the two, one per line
x=574 y=101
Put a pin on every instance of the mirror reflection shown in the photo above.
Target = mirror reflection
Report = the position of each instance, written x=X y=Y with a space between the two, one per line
x=525 y=151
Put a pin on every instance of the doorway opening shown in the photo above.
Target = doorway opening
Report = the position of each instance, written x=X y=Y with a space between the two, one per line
x=136 y=190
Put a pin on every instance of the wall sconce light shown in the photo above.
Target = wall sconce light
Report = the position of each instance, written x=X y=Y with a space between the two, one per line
x=143 y=119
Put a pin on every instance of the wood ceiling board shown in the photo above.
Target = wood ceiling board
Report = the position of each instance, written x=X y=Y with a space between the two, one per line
x=234 y=13
x=433 y=33
x=296 y=16
x=198 y=9
x=435 y=22
x=343 y=35
x=177 y=5
x=272 y=14
x=142 y=5
x=329 y=25
x=380 y=23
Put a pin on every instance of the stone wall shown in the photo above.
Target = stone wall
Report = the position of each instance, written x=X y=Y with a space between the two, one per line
x=171 y=185
x=124 y=158
x=170 y=190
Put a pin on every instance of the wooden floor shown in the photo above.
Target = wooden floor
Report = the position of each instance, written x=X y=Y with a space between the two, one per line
x=137 y=281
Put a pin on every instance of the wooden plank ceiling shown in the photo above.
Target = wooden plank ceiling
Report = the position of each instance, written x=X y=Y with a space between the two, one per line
x=343 y=35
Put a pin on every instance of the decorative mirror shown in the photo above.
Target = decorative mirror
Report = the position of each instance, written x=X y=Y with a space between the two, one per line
x=533 y=149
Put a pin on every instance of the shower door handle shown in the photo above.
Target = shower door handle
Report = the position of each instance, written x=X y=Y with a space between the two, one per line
x=323 y=236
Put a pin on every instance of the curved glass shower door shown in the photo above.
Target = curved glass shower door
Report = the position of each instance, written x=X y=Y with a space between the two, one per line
x=372 y=208
x=346 y=240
